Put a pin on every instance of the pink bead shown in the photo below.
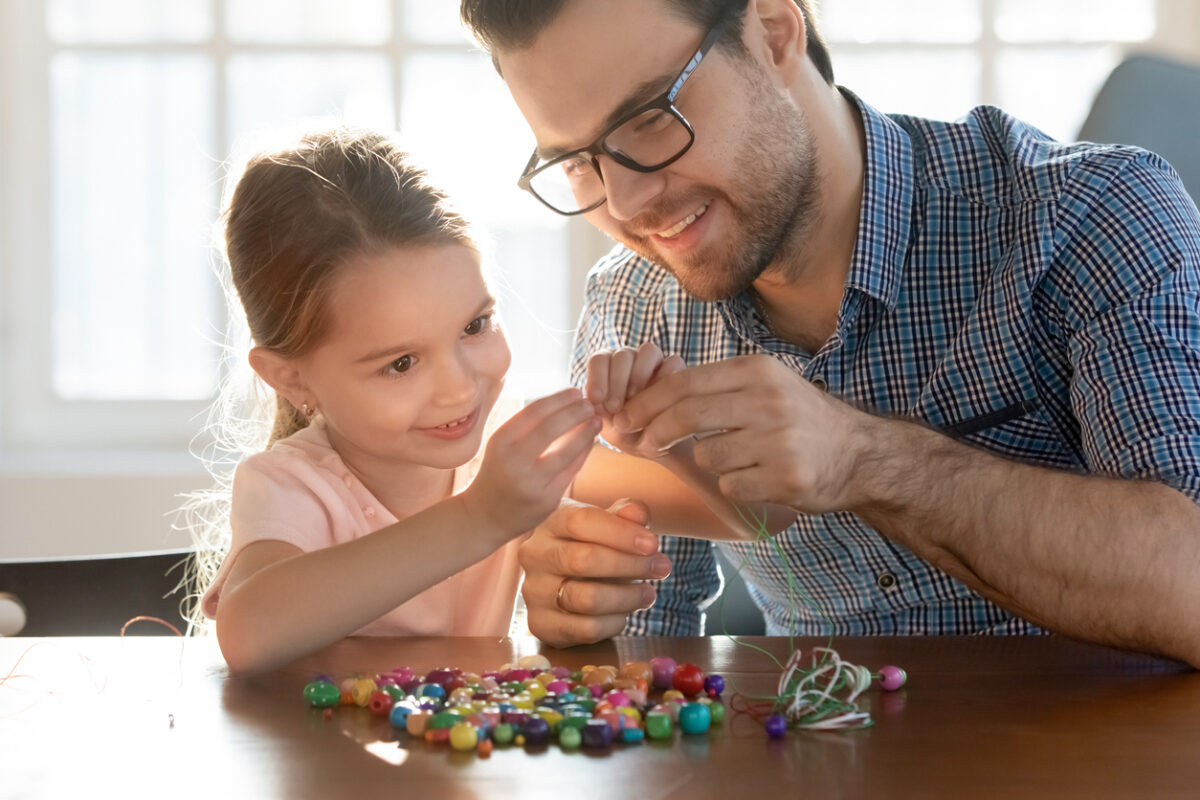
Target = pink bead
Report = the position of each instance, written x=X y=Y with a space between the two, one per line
x=596 y=690
x=891 y=678
x=617 y=698
x=558 y=687
x=663 y=669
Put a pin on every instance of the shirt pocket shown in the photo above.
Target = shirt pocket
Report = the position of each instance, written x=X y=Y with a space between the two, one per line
x=1018 y=430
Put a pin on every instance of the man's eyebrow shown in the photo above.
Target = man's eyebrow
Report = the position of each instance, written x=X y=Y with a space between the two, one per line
x=643 y=93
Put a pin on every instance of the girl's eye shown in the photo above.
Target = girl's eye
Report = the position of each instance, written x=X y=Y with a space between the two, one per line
x=476 y=326
x=400 y=365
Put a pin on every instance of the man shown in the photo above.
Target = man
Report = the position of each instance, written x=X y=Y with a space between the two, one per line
x=967 y=356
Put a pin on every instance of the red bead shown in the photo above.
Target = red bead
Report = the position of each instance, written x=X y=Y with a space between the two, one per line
x=689 y=679
x=381 y=704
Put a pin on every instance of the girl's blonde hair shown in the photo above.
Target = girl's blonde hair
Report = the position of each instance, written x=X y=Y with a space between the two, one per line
x=298 y=214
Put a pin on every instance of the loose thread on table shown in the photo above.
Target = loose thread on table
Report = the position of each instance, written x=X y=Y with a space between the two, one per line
x=803 y=700
x=99 y=683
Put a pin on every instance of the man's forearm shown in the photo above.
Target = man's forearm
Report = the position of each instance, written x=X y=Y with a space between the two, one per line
x=1110 y=560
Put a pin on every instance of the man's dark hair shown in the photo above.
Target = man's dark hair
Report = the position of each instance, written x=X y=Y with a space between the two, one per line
x=514 y=24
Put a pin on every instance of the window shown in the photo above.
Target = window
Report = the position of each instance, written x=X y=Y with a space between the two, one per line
x=119 y=116
x=1041 y=60
x=130 y=110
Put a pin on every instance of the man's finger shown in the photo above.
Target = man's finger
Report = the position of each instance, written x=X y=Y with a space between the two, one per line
x=730 y=375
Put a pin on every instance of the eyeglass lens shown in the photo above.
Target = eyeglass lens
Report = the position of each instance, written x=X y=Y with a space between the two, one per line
x=649 y=139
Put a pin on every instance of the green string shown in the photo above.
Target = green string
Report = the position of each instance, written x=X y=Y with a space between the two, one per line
x=832 y=706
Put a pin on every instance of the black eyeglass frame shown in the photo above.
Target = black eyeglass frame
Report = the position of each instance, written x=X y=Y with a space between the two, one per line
x=665 y=101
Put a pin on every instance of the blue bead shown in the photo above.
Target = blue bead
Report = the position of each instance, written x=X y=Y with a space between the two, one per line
x=597 y=734
x=433 y=690
x=399 y=715
x=632 y=735
x=776 y=726
x=714 y=685
x=694 y=718
x=536 y=731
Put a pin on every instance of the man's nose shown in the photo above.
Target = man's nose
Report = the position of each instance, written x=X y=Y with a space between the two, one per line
x=629 y=191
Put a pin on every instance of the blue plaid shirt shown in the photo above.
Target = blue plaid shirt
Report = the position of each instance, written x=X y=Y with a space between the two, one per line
x=1038 y=300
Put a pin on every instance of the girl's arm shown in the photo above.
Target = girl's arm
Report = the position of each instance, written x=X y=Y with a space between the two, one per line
x=280 y=603
x=684 y=499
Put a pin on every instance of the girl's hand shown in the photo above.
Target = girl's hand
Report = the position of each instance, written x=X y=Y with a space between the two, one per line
x=616 y=376
x=530 y=461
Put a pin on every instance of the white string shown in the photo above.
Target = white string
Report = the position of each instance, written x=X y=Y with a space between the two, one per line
x=814 y=691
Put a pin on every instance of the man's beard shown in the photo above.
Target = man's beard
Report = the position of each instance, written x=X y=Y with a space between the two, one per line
x=774 y=203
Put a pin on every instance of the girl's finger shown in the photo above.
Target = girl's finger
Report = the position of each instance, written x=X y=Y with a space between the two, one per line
x=532 y=416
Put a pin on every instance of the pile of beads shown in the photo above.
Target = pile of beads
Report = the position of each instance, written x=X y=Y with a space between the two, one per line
x=531 y=703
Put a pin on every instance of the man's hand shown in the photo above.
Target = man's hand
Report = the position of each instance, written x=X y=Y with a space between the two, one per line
x=771 y=436
x=581 y=567
x=614 y=376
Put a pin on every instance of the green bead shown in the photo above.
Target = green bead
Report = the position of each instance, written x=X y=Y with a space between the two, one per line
x=503 y=733
x=575 y=721
x=658 y=725
x=445 y=719
x=717 y=712
x=322 y=694
x=395 y=691
x=569 y=737
x=577 y=676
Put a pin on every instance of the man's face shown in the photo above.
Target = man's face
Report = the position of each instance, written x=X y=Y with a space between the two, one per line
x=745 y=191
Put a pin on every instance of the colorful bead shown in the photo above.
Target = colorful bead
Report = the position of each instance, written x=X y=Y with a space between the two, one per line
x=689 y=679
x=632 y=735
x=776 y=726
x=536 y=731
x=658 y=725
x=537 y=661
x=596 y=734
x=694 y=718
x=381 y=703
x=362 y=690
x=569 y=737
x=892 y=678
x=322 y=694
x=503 y=733
x=485 y=748
x=663 y=671
x=463 y=736
x=417 y=722
x=399 y=714
x=714 y=685
x=716 y=713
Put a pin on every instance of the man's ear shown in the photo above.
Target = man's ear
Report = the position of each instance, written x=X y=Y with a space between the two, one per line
x=282 y=375
x=777 y=36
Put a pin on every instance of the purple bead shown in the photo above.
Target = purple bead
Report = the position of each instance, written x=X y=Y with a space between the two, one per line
x=562 y=673
x=410 y=686
x=597 y=734
x=776 y=726
x=536 y=731
x=596 y=690
x=663 y=670
x=714 y=685
x=439 y=676
x=891 y=678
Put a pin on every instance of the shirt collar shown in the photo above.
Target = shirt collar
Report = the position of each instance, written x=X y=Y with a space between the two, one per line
x=885 y=216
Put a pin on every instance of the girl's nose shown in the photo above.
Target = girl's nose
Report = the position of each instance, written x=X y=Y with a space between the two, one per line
x=456 y=380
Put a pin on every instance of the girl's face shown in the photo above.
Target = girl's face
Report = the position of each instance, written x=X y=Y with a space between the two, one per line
x=413 y=360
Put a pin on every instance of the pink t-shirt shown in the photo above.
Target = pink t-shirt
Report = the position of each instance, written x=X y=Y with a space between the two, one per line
x=300 y=492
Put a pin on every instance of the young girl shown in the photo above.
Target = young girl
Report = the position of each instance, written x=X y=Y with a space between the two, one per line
x=370 y=511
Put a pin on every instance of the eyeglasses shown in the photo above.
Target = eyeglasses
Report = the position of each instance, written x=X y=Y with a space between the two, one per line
x=648 y=139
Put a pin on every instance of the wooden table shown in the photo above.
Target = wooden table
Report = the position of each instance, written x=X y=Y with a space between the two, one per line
x=981 y=717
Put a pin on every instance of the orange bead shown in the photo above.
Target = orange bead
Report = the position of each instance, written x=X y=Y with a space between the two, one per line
x=636 y=670
x=485 y=748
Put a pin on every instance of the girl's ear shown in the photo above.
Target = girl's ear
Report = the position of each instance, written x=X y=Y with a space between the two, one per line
x=281 y=375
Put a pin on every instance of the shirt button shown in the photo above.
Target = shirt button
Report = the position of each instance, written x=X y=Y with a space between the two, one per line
x=885 y=580
x=820 y=384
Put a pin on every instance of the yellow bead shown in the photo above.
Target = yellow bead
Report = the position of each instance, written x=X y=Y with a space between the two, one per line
x=463 y=736
x=672 y=694
x=362 y=691
x=536 y=691
x=630 y=712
